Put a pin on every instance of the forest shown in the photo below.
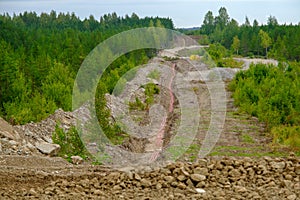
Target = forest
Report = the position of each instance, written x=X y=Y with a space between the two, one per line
x=41 y=54
x=272 y=40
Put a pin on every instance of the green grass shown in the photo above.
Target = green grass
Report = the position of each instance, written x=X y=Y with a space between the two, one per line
x=247 y=139
x=154 y=74
x=245 y=152
x=193 y=151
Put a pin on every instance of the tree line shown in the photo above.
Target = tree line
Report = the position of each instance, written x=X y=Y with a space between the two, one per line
x=41 y=54
x=250 y=39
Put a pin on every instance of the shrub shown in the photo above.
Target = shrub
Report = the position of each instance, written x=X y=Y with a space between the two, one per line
x=70 y=143
x=287 y=135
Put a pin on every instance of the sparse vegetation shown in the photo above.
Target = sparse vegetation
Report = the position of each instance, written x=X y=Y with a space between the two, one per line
x=150 y=91
x=70 y=143
x=247 y=138
x=154 y=74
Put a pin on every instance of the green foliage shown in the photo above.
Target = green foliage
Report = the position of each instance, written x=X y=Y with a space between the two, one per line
x=116 y=73
x=120 y=86
x=217 y=51
x=236 y=44
x=247 y=138
x=137 y=105
x=254 y=40
x=40 y=56
x=154 y=74
x=110 y=129
x=265 y=40
x=70 y=143
x=287 y=135
x=271 y=94
x=219 y=55
x=229 y=62
x=150 y=90
x=166 y=58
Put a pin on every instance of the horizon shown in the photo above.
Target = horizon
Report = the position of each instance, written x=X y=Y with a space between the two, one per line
x=188 y=14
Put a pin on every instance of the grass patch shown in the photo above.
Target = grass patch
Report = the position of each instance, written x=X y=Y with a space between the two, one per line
x=193 y=151
x=154 y=74
x=247 y=139
x=245 y=152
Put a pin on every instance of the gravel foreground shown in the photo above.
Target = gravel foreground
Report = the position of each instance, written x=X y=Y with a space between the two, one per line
x=36 y=177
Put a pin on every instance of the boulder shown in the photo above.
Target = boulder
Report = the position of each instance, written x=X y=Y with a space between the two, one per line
x=7 y=131
x=47 y=148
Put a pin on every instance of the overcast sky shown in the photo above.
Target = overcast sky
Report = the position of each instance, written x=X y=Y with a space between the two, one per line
x=185 y=13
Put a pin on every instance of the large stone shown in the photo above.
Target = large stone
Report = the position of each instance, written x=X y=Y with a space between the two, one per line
x=47 y=148
x=198 y=177
x=7 y=131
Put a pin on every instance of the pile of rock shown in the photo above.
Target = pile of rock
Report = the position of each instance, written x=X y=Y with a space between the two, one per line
x=33 y=138
x=226 y=178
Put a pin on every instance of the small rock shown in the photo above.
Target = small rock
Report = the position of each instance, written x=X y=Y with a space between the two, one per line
x=158 y=186
x=181 y=178
x=47 y=148
x=184 y=172
x=234 y=173
x=292 y=197
x=297 y=170
x=30 y=146
x=169 y=179
x=203 y=171
x=288 y=183
x=32 y=192
x=277 y=165
x=12 y=143
x=198 y=177
x=145 y=183
x=98 y=192
x=289 y=177
x=199 y=190
x=117 y=187
x=190 y=183
x=76 y=160
x=181 y=185
x=240 y=189
x=137 y=177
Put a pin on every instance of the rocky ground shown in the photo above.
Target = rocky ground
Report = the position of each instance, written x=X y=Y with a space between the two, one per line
x=225 y=178
x=30 y=169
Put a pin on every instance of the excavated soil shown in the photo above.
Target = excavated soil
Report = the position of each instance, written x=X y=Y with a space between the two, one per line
x=27 y=173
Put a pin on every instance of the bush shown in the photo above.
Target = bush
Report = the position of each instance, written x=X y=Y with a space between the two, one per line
x=70 y=143
x=230 y=62
x=289 y=136
x=271 y=93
